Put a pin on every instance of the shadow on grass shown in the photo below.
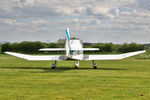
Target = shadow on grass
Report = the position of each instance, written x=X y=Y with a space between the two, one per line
x=58 y=69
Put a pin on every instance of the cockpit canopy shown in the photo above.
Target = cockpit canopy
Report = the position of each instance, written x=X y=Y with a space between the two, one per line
x=76 y=47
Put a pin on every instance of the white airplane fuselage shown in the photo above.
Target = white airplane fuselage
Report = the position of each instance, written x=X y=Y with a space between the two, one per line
x=76 y=51
x=74 y=47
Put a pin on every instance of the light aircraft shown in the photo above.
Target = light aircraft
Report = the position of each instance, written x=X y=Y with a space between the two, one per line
x=74 y=50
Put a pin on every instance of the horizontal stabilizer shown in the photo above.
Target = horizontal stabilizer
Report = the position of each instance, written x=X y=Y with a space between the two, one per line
x=38 y=57
x=87 y=49
x=90 y=49
x=52 y=49
x=111 y=57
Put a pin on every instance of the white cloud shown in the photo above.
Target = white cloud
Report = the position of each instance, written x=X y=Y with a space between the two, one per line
x=7 y=21
x=125 y=13
x=100 y=12
x=103 y=20
x=27 y=2
x=37 y=22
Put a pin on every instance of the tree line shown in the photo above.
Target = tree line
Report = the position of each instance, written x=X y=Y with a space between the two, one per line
x=24 y=47
x=118 y=48
x=33 y=47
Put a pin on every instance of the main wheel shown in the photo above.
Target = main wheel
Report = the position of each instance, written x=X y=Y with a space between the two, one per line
x=53 y=66
x=76 y=64
x=76 y=67
x=95 y=67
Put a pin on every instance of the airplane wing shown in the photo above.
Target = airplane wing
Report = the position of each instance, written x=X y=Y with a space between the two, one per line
x=111 y=57
x=38 y=57
x=52 y=49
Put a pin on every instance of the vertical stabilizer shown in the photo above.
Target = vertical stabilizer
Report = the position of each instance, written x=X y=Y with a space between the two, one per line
x=68 y=44
x=68 y=37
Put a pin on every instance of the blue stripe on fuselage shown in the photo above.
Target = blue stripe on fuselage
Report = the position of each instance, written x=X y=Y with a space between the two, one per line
x=68 y=37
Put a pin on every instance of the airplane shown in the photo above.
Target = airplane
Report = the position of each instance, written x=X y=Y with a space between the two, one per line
x=74 y=51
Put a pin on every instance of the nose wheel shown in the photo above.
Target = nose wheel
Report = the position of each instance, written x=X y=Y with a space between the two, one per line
x=54 y=65
x=77 y=64
x=94 y=64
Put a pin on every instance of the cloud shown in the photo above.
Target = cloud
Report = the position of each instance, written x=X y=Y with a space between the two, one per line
x=91 y=20
x=144 y=4
x=27 y=2
x=39 y=22
x=100 y=12
x=7 y=21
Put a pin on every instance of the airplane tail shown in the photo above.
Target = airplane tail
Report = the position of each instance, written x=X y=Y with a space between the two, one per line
x=68 y=44
x=68 y=38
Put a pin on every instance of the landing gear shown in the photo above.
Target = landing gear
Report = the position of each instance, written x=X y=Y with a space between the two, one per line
x=94 y=64
x=77 y=64
x=54 y=65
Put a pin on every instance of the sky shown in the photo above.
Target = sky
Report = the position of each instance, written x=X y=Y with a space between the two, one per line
x=115 y=21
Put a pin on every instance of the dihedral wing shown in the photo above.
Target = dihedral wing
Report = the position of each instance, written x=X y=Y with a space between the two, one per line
x=73 y=50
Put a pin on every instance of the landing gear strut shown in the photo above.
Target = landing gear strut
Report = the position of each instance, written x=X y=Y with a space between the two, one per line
x=54 y=65
x=77 y=64
x=94 y=64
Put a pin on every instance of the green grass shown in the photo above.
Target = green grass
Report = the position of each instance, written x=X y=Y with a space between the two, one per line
x=127 y=79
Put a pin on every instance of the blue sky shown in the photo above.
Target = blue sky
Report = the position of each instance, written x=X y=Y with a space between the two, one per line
x=116 y=21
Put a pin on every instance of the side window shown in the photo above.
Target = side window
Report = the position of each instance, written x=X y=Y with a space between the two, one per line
x=74 y=52
x=77 y=52
x=81 y=51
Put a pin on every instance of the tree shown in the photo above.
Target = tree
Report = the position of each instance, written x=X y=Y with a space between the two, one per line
x=141 y=47
x=0 y=48
x=53 y=45
x=132 y=47
x=98 y=45
x=14 y=47
x=61 y=41
x=123 y=48
x=108 y=47
x=6 y=47
x=31 y=47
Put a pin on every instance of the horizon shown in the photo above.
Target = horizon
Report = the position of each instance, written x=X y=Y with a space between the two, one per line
x=3 y=42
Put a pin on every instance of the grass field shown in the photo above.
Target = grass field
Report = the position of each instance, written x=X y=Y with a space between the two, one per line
x=127 y=79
